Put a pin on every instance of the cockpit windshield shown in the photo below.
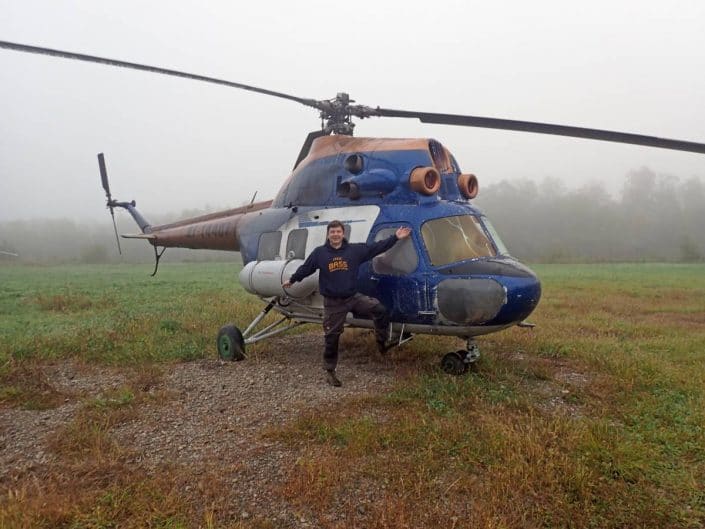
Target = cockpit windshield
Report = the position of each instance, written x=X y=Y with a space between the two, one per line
x=499 y=244
x=452 y=239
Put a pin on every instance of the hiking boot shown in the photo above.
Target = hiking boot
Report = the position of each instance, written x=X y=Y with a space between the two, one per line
x=383 y=347
x=332 y=379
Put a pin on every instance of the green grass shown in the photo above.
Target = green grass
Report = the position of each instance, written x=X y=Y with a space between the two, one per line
x=117 y=314
x=596 y=418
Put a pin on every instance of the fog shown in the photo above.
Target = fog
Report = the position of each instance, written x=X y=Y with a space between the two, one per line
x=48 y=241
x=173 y=144
x=656 y=217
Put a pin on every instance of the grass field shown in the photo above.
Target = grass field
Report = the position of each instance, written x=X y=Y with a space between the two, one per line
x=593 y=419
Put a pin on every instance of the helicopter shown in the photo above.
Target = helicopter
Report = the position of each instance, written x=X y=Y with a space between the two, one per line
x=453 y=276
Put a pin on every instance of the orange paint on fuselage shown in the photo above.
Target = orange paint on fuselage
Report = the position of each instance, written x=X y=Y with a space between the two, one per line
x=333 y=145
x=219 y=231
x=215 y=231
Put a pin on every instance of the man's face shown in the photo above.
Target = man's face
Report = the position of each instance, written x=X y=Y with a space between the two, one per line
x=335 y=235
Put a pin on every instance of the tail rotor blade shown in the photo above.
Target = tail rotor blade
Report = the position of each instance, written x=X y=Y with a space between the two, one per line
x=117 y=238
x=103 y=174
x=106 y=187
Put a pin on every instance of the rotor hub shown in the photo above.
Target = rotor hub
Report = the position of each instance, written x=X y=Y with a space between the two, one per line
x=336 y=113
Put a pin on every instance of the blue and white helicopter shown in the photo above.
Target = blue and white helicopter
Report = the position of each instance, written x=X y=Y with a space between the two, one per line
x=453 y=276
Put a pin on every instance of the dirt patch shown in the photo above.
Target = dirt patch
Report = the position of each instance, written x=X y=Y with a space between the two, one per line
x=24 y=433
x=557 y=384
x=205 y=414
x=23 y=439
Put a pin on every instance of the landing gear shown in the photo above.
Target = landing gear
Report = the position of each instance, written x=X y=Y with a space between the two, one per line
x=459 y=362
x=398 y=337
x=231 y=341
x=452 y=363
x=231 y=345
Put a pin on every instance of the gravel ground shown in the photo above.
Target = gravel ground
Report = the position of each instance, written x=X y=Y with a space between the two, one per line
x=210 y=414
x=24 y=433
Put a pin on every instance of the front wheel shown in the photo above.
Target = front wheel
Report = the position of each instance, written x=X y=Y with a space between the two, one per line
x=230 y=343
x=453 y=364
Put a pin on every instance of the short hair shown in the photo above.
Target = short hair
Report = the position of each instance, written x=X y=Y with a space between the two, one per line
x=335 y=224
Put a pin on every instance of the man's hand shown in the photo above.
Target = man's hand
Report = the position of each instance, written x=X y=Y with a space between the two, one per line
x=403 y=232
x=287 y=284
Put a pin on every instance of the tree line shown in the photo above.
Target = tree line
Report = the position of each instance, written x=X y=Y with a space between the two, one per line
x=656 y=217
x=66 y=241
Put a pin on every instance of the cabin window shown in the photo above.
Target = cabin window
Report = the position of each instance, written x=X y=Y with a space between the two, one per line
x=296 y=244
x=453 y=239
x=399 y=260
x=269 y=244
x=501 y=248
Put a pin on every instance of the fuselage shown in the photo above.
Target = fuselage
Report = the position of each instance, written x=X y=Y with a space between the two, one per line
x=453 y=271
x=492 y=289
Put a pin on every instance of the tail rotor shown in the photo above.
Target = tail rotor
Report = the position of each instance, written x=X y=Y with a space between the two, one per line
x=111 y=202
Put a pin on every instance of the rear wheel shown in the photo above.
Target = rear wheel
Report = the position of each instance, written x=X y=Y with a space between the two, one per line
x=230 y=343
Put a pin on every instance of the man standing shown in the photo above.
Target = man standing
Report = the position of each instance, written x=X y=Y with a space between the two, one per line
x=338 y=262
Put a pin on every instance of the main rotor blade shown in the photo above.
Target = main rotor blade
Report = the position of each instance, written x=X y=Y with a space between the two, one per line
x=544 y=128
x=146 y=68
x=103 y=174
x=306 y=147
x=337 y=107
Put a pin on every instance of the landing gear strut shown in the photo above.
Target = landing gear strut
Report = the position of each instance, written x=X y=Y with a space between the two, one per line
x=231 y=341
x=459 y=362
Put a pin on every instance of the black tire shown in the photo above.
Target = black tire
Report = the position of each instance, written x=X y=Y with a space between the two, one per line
x=230 y=343
x=453 y=364
x=469 y=366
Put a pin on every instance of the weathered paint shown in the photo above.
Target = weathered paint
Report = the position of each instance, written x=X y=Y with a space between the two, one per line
x=310 y=198
x=216 y=231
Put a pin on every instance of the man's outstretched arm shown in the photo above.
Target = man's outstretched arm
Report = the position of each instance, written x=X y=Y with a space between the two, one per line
x=385 y=244
x=309 y=267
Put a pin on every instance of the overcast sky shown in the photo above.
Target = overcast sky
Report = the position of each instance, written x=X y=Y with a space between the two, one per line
x=633 y=66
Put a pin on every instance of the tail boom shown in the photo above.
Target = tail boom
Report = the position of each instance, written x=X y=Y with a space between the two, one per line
x=215 y=231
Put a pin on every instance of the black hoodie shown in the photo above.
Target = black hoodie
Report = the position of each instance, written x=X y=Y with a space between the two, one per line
x=338 y=267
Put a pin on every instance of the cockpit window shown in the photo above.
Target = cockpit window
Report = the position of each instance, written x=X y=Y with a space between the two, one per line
x=501 y=248
x=453 y=239
x=399 y=260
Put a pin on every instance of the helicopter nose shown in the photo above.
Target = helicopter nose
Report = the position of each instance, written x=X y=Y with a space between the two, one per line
x=470 y=301
x=497 y=299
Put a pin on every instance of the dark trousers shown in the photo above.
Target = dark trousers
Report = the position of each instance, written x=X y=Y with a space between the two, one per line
x=335 y=312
